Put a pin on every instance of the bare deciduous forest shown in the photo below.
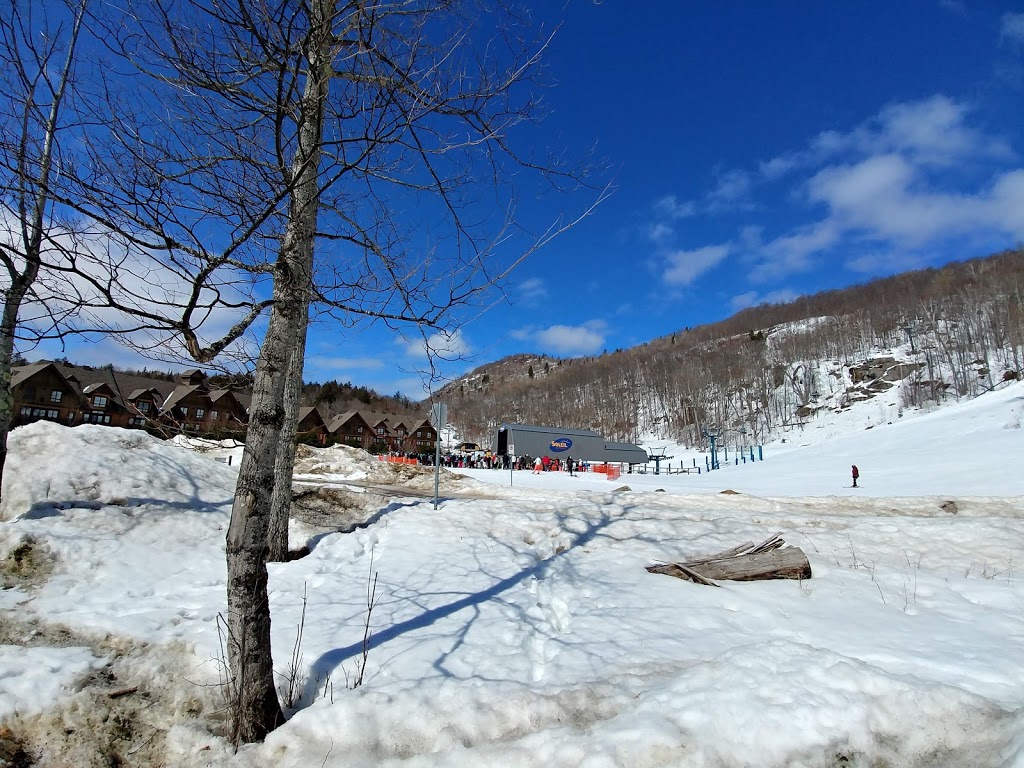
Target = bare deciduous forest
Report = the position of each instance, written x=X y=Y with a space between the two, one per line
x=770 y=367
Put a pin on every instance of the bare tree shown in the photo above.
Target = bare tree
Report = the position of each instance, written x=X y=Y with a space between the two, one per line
x=37 y=56
x=282 y=140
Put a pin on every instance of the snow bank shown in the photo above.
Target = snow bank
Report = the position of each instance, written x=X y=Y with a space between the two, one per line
x=520 y=627
x=52 y=467
x=33 y=679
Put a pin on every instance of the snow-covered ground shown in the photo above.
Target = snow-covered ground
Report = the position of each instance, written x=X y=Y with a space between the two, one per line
x=516 y=624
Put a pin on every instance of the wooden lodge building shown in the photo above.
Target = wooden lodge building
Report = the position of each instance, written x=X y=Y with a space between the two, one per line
x=74 y=395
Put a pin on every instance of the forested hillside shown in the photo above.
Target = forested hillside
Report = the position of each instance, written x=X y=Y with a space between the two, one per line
x=951 y=332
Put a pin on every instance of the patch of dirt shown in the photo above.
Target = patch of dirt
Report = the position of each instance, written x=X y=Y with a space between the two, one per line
x=33 y=633
x=119 y=714
x=729 y=492
x=12 y=750
x=29 y=564
x=335 y=509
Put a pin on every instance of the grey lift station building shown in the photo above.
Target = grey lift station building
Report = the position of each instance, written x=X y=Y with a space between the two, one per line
x=556 y=442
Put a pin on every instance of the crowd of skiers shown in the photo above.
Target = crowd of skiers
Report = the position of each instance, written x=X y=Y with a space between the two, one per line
x=491 y=460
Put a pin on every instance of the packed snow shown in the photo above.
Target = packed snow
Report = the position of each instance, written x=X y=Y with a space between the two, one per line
x=516 y=625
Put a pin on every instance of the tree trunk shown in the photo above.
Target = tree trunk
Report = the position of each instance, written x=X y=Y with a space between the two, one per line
x=255 y=709
x=8 y=325
x=280 y=510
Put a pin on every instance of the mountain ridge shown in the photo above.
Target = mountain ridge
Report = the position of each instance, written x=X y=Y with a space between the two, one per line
x=956 y=330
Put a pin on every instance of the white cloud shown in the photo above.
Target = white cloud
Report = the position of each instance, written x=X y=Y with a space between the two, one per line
x=533 y=288
x=886 y=188
x=932 y=131
x=1012 y=28
x=673 y=208
x=570 y=340
x=754 y=298
x=138 y=280
x=686 y=266
x=884 y=198
x=794 y=252
x=344 y=363
x=885 y=262
x=779 y=166
x=732 y=186
x=444 y=345
x=659 y=232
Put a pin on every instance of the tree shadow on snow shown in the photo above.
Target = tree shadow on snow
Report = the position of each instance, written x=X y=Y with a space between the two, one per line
x=326 y=664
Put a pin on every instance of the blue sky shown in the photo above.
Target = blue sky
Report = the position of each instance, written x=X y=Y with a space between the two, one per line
x=759 y=151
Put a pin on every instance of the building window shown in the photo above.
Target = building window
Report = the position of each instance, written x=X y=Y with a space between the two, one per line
x=143 y=407
x=360 y=430
x=55 y=396
x=200 y=412
x=184 y=410
x=213 y=415
x=419 y=433
x=51 y=414
x=26 y=411
x=380 y=430
x=99 y=401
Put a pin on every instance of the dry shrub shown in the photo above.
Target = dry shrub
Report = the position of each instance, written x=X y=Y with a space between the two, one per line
x=28 y=564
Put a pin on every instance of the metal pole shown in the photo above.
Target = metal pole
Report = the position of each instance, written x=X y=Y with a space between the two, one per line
x=437 y=466
x=438 y=418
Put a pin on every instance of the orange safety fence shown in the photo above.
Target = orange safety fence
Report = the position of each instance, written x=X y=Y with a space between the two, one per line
x=398 y=460
x=613 y=473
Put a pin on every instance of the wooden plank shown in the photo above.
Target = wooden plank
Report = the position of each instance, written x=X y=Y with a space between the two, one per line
x=785 y=563
x=771 y=559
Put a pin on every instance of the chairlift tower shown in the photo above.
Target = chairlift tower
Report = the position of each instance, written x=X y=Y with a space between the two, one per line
x=657 y=461
x=712 y=435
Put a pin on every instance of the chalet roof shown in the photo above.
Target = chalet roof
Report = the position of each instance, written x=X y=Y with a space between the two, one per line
x=393 y=419
x=306 y=411
x=339 y=421
x=84 y=380
x=180 y=393
x=137 y=393
x=23 y=373
x=119 y=383
x=559 y=430
x=216 y=395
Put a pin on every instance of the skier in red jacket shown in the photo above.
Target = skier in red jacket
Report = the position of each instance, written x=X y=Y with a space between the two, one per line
x=856 y=474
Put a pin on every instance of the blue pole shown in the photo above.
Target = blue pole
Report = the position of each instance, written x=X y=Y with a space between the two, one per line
x=706 y=464
x=760 y=454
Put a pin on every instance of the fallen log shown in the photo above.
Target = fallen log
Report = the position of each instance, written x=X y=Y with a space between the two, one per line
x=771 y=559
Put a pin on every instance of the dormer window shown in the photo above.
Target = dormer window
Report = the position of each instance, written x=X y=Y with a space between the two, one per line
x=143 y=407
x=99 y=401
x=56 y=395
x=184 y=410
